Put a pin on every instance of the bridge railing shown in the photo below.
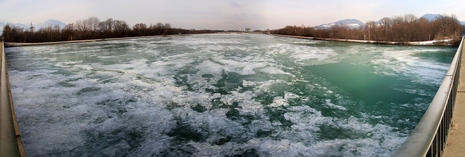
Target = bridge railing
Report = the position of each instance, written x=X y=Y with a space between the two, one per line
x=430 y=135
x=10 y=139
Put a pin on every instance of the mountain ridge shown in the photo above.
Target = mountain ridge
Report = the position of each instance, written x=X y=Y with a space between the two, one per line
x=45 y=24
x=352 y=23
x=432 y=17
x=51 y=23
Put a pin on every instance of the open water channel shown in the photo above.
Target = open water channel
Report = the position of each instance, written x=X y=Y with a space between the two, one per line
x=221 y=95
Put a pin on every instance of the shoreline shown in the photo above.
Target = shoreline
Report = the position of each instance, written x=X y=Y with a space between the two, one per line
x=414 y=43
x=419 y=43
x=15 y=44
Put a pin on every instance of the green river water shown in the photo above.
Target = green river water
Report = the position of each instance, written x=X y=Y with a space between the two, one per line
x=221 y=95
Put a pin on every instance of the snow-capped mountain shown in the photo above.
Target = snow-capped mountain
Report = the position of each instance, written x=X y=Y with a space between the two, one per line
x=352 y=23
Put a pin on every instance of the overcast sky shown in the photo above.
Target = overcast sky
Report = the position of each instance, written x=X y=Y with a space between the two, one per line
x=223 y=14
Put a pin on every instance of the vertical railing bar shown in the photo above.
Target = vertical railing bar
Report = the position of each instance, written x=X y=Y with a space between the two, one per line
x=443 y=132
x=435 y=148
x=438 y=139
x=446 y=129
x=429 y=152
x=438 y=142
x=441 y=137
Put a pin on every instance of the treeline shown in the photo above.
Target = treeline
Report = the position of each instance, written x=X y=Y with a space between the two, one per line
x=90 y=28
x=398 y=28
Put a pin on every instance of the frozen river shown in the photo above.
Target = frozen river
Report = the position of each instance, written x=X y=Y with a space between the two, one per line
x=221 y=95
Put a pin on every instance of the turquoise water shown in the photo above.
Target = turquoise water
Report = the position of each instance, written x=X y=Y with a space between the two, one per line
x=221 y=95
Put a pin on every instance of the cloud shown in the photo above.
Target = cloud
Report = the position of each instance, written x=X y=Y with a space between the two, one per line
x=234 y=4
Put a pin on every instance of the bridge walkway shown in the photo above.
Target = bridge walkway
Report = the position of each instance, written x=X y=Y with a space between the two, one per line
x=456 y=141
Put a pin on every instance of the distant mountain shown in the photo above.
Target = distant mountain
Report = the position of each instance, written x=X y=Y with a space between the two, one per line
x=3 y=23
x=431 y=17
x=44 y=24
x=50 y=22
x=25 y=26
x=352 y=23
x=1 y=26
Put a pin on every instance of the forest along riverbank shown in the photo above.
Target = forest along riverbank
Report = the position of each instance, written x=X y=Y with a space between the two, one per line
x=445 y=42
x=221 y=95
x=15 y=44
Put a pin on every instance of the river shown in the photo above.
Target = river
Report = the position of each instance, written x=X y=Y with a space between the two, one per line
x=221 y=95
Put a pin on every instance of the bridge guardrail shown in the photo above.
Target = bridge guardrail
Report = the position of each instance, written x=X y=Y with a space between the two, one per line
x=10 y=139
x=430 y=135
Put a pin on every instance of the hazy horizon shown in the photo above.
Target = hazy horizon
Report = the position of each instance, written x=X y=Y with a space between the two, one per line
x=223 y=15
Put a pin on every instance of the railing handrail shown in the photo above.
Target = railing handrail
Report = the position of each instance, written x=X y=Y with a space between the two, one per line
x=420 y=141
x=10 y=139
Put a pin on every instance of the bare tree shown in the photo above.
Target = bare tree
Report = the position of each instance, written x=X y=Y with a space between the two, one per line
x=121 y=28
x=68 y=32
x=370 y=27
x=140 y=29
x=410 y=18
x=447 y=25
x=94 y=21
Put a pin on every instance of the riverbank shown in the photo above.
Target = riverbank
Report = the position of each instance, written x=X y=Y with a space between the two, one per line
x=14 y=44
x=446 y=42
